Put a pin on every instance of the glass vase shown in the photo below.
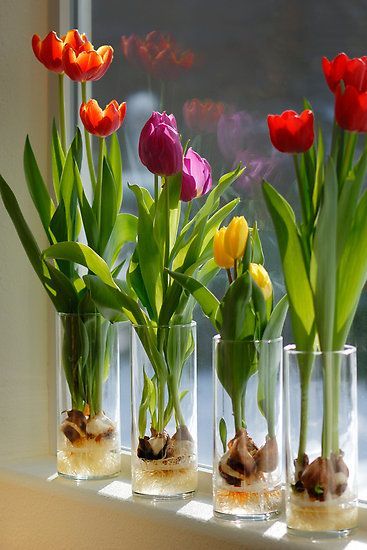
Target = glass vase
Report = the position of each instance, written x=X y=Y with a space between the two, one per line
x=247 y=465
x=164 y=417
x=321 y=441
x=88 y=409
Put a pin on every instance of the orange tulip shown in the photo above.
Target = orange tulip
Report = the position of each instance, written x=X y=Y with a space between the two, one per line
x=100 y=122
x=49 y=51
x=158 y=54
x=86 y=65
x=221 y=256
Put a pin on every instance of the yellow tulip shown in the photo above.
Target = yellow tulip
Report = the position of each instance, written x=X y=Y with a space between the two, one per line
x=235 y=237
x=220 y=255
x=262 y=279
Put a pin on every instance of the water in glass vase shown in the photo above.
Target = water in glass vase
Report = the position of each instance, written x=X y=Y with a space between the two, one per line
x=88 y=442
x=164 y=448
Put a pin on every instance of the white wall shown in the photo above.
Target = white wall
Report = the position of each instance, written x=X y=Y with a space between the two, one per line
x=26 y=318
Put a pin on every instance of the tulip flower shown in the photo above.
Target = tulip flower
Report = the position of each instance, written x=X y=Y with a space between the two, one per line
x=100 y=122
x=49 y=51
x=261 y=277
x=342 y=68
x=86 y=65
x=202 y=116
x=234 y=132
x=160 y=149
x=291 y=132
x=235 y=238
x=196 y=176
x=351 y=109
x=221 y=257
x=158 y=54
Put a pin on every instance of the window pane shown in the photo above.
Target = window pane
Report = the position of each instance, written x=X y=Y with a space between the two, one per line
x=255 y=58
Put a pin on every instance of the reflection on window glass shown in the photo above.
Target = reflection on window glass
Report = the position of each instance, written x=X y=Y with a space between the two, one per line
x=221 y=68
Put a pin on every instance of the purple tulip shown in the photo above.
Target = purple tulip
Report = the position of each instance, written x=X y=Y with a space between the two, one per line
x=160 y=149
x=256 y=168
x=234 y=132
x=196 y=176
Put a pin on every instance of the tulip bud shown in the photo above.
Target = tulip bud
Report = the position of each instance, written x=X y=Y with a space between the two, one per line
x=222 y=259
x=262 y=279
x=160 y=149
x=235 y=238
x=196 y=176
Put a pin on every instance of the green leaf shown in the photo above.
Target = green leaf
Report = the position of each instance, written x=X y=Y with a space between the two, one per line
x=115 y=162
x=37 y=188
x=257 y=249
x=234 y=308
x=207 y=301
x=149 y=254
x=113 y=302
x=83 y=255
x=323 y=260
x=348 y=202
x=58 y=160
x=124 y=231
x=274 y=328
x=26 y=237
x=294 y=268
x=352 y=274
x=319 y=176
x=109 y=209
x=68 y=194
x=135 y=281
x=88 y=217
x=223 y=433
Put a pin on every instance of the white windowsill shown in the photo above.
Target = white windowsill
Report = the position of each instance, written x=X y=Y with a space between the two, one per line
x=39 y=493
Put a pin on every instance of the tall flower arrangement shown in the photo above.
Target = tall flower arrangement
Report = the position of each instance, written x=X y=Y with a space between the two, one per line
x=169 y=237
x=65 y=212
x=324 y=253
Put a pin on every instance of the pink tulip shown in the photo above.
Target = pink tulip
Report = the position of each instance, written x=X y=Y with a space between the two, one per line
x=160 y=149
x=196 y=176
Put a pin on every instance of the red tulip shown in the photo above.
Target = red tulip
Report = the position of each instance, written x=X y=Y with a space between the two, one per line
x=49 y=51
x=158 y=54
x=100 y=122
x=160 y=149
x=351 y=109
x=202 y=116
x=86 y=65
x=343 y=68
x=290 y=132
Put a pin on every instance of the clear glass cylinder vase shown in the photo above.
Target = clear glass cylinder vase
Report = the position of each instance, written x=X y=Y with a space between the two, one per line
x=321 y=441
x=88 y=397
x=164 y=411
x=247 y=465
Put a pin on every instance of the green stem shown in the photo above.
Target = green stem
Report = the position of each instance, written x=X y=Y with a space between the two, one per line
x=167 y=233
x=229 y=275
x=335 y=141
x=187 y=213
x=156 y=190
x=351 y=140
x=174 y=391
x=62 y=111
x=336 y=399
x=305 y=365
x=302 y=191
x=235 y=270
x=327 y=426
x=161 y=406
x=100 y=178
x=87 y=142
x=237 y=411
